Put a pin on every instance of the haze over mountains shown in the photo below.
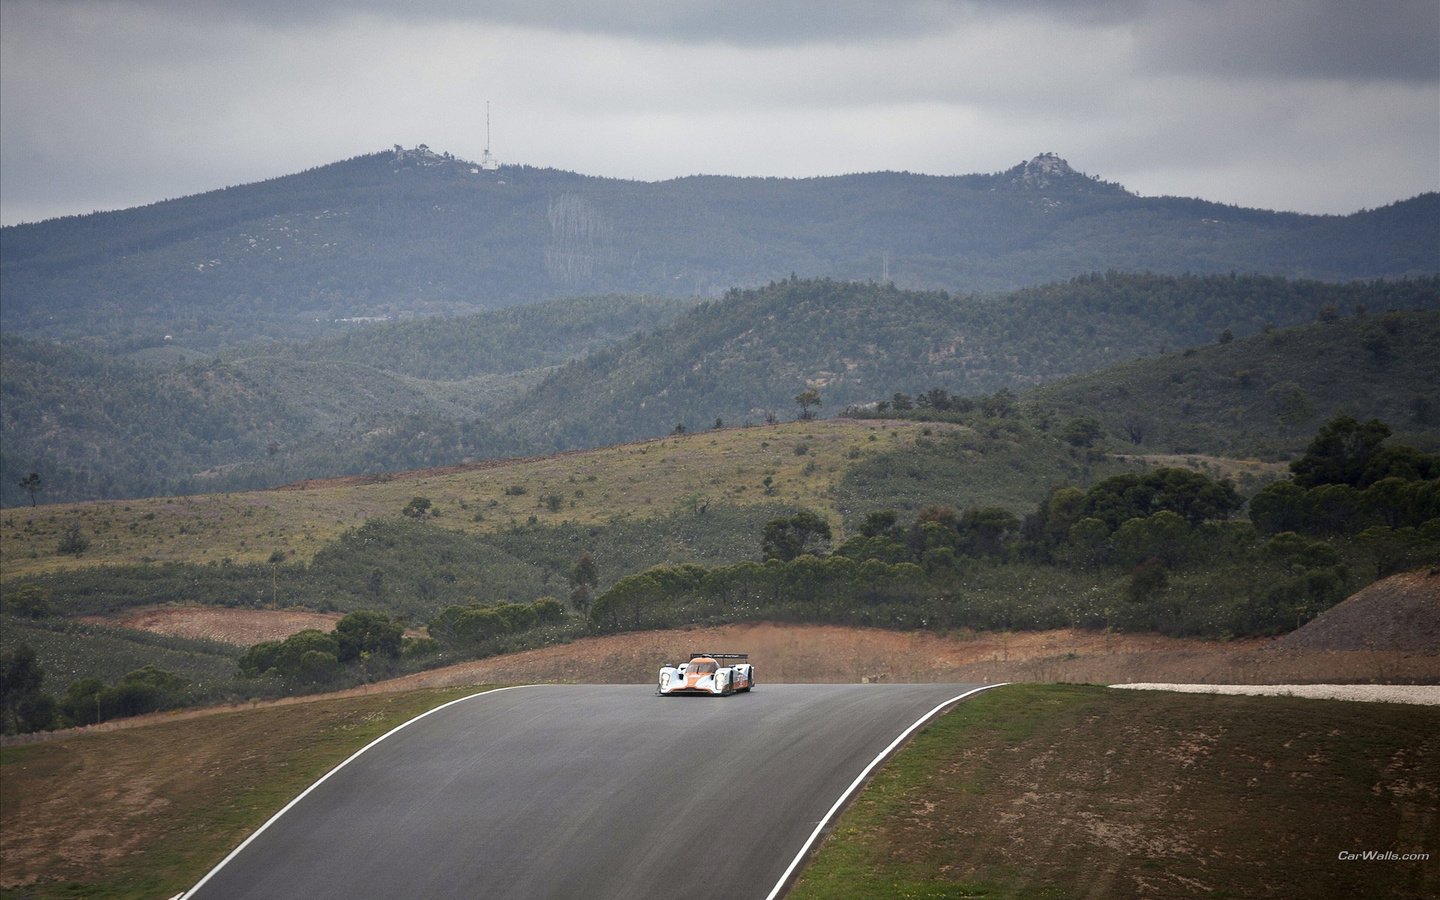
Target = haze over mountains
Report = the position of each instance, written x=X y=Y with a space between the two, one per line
x=382 y=313
x=412 y=232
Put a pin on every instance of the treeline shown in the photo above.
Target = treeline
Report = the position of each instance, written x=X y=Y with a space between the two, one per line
x=364 y=643
x=26 y=707
x=1158 y=551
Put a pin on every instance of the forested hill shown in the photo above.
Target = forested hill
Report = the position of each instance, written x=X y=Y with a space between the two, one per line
x=747 y=356
x=397 y=396
x=415 y=233
x=376 y=398
x=1265 y=394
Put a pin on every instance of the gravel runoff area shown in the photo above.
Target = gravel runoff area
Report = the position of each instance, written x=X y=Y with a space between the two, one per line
x=1428 y=695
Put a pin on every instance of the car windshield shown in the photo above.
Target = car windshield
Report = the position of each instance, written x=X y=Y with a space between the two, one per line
x=702 y=667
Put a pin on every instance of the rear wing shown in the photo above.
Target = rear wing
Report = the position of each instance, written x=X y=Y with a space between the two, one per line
x=719 y=657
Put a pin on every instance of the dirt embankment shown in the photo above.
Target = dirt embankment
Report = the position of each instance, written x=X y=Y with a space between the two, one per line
x=823 y=653
x=241 y=627
x=1399 y=613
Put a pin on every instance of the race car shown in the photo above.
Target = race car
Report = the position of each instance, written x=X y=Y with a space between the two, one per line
x=708 y=673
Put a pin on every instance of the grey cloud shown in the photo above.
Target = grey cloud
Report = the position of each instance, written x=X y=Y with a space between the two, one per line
x=744 y=22
x=118 y=102
x=1346 y=39
x=1380 y=40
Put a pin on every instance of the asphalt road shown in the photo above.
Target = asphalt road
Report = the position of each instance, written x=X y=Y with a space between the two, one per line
x=583 y=791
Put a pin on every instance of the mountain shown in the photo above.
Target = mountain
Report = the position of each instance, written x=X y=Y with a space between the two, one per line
x=582 y=373
x=413 y=233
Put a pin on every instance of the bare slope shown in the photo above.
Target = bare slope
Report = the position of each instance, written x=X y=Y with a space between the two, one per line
x=1400 y=613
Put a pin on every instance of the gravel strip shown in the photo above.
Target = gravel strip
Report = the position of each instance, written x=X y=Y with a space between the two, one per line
x=1427 y=695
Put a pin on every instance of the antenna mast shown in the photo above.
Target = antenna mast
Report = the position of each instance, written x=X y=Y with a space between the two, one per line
x=488 y=161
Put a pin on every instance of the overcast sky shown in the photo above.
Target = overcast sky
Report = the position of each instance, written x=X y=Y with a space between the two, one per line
x=1310 y=105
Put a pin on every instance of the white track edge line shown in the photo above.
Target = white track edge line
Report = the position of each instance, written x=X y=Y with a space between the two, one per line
x=271 y=821
x=859 y=780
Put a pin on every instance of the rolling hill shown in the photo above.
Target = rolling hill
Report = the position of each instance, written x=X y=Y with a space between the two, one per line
x=434 y=392
x=746 y=357
x=408 y=233
x=1266 y=393
x=375 y=398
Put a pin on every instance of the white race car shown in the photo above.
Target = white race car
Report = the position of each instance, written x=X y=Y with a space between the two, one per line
x=708 y=673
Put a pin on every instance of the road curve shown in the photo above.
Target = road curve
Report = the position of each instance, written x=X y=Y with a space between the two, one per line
x=593 y=791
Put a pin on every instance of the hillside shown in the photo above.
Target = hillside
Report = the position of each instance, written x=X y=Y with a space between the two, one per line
x=656 y=486
x=1266 y=393
x=405 y=395
x=747 y=356
x=415 y=233
x=378 y=397
x=999 y=522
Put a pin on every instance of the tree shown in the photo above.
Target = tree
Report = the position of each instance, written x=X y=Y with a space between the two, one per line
x=366 y=631
x=1292 y=405
x=628 y=601
x=73 y=542
x=29 y=600
x=999 y=405
x=806 y=399
x=1279 y=506
x=1340 y=452
x=1164 y=536
x=310 y=654
x=144 y=690
x=1147 y=581
x=259 y=659
x=1336 y=509
x=20 y=695
x=585 y=571
x=879 y=522
x=80 y=704
x=784 y=539
x=1137 y=427
x=1086 y=546
x=1081 y=432
x=986 y=531
x=1190 y=494
x=417 y=508
x=31 y=483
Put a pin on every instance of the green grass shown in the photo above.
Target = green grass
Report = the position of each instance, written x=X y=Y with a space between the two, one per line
x=163 y=803
x=1070 y=791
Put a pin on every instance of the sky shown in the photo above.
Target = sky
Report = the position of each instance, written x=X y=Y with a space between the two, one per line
x=1319 y=106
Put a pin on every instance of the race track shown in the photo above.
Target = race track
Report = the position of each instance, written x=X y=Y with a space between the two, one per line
x=584 y=791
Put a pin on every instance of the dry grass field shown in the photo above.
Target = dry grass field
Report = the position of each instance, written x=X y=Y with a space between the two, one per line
x=643 y=479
